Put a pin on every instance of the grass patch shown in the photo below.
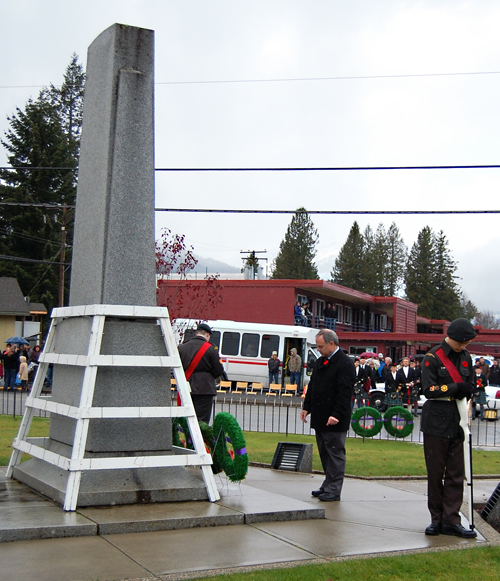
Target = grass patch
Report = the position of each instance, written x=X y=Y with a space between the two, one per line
x=9 y=428
x=368 y=458
x=475 y=563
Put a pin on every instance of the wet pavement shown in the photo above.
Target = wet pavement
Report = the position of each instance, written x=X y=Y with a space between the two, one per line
x=270 y=520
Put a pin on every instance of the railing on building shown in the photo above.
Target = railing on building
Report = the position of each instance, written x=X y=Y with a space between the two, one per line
x=317 y=322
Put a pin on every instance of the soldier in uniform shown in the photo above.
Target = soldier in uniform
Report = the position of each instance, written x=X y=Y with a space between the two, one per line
x=443 y=436
x=202 y=366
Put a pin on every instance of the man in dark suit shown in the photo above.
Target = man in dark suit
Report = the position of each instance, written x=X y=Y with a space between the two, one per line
x=406 y=378
x=328 y=400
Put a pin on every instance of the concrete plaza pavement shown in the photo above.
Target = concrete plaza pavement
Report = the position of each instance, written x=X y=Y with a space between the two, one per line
x=374 y=518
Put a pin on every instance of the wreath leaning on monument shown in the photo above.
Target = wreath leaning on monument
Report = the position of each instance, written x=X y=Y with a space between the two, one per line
x=207 y=434
x=180 y=434
x=181 y=437
x=230 y=447
x=404 y=431
x=367 y=413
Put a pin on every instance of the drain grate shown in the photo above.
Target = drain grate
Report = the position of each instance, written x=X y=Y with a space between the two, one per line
x=289 y=456
x=490 y=505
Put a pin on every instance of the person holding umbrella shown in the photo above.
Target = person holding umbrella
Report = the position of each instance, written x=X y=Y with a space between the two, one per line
x=11 y=367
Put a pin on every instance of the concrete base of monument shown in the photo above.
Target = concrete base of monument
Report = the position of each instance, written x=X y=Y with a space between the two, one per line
x=113 y=487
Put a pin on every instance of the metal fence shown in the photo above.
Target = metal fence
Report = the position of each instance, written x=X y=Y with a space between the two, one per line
x=13 y=403
x=278 y=416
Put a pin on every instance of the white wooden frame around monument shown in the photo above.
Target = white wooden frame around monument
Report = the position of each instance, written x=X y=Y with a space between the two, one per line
x=85 y=412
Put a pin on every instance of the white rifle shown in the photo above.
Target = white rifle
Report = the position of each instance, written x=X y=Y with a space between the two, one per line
x=463 y=410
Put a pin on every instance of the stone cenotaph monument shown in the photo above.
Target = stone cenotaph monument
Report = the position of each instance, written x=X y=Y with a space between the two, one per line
x=113 y=349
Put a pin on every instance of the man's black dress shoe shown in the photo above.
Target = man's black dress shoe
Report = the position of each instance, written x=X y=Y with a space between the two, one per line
x=329 y=496
x=317 y=493
x=433 y=529
x=458 y=531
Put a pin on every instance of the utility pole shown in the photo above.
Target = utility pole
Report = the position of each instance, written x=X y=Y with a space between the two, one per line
x=63 y=255
x=252 y=261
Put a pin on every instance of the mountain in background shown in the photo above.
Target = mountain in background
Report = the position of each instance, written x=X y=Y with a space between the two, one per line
x=212 y=266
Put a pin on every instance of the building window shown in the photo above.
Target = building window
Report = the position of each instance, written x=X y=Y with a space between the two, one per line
x=383 y=322
x=302 y=299
x=270 y=343
x=250 y=345
x=230 y=343
x=320 y=307
x=348 y=315
x=340 y=313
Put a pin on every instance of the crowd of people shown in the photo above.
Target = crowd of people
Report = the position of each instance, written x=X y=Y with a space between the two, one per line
x=303 y=315
x=402 y=382
x=18 y=364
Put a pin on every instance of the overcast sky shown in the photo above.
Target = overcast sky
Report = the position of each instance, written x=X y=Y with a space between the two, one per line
x=443 y=119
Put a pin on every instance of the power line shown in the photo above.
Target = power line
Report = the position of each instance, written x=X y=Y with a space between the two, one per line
x=344 y=78
x=339 y=168
x=327 y=212
x=291 y=80
x=21 y=259
x=6 y=232
x=348 y=168
x=37 y=205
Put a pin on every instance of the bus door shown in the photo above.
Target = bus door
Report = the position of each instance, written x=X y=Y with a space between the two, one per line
x=290 y=343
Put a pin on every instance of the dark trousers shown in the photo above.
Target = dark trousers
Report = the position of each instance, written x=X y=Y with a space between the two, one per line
x=444 y=459
x=9 y=378
x=331 y=448
x=203 y=406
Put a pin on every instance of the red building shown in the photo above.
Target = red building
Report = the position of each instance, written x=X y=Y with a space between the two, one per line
x=388 y=325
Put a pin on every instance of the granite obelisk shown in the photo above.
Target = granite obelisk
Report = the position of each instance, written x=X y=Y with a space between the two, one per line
x=114 y=264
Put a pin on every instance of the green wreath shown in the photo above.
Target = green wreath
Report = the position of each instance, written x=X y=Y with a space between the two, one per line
x=180 y=434
x=230 y=447
x=365 y=412
x=181 y=437
x=208 y=438
x=404 y=431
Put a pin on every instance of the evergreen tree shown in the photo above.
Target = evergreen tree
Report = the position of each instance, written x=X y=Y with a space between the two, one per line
x=420 y=269
x=68 y=100
x=349 y=268
x=396 y=261
x=295 y=259
x=369 y=260
x=44 y=135
x=469 y=309
x=430 y=280
x=380 y=262
x=447 y=304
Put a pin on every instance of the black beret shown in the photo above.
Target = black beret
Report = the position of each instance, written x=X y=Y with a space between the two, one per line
x=461 y=330
x=204 y=327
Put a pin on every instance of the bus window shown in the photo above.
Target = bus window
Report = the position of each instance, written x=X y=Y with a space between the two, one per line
x=215 y=339
x=311 y=360
x=230 y=343
x=250 y=345
x=270 y=343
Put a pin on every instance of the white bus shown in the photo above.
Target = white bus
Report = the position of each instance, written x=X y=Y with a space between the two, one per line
x=245 y=348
